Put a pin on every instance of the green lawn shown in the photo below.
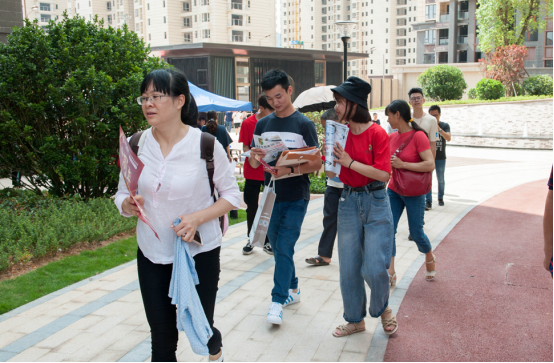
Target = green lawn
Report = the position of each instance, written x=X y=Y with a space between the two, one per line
x=69 y=270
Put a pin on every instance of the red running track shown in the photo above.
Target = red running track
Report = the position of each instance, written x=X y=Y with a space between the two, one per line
x=492 y=299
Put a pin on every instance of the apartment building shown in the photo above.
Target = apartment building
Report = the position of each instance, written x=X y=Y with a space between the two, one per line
x=447 y=33
x=383 y=30
x=167 y=22
x=10 y=16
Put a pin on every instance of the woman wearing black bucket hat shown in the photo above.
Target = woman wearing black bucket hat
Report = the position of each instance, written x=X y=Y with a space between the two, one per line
x=365 y=224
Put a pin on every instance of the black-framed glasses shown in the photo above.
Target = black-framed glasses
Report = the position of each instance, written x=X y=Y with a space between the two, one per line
x=154 y=99
x=417 y=99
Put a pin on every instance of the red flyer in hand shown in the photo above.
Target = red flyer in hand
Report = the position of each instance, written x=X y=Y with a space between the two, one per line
x=131 y=167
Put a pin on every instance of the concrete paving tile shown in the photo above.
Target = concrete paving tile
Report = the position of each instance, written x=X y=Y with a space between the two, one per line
x=136 y=319
x=118 y=308
x=105 y=325
x=329 y=349
x=224 y=307
x=273 y=355
x=75 y=343
x=9 y=337
x=359 y=342
x=233 y=341
x=13 y=323
x=250 y=351
x=98 y=345
x=143 y=327
x=109 y=355
x=189 y=356
x=332 y=306
x=133 y=297
x=53 y=357
x=65 y=309
x=93 y=285
x=301 y=353
x=57 y=339
x=250 y=302
x=264 y=332
x=86 y=322
x=88 y=296
x=30 y=355
x=33 y=324
x=352 y=357
x=284 y=339
x=230 y=321
x=129 y=341
x=250 y=322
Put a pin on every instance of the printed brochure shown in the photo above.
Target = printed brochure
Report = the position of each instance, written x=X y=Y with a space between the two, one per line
x=334 y=132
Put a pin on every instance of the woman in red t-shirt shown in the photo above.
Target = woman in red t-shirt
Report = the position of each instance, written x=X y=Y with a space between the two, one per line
x=415 y=156
x=365 y=228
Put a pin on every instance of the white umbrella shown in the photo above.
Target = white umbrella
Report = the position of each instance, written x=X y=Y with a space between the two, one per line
x=315 y=99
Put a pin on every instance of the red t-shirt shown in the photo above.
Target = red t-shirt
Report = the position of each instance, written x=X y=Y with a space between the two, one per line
x=410 y=153
x=246 y=135
x=371 y=147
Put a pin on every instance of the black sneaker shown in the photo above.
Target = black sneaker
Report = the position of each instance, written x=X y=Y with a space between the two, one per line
x=267 y=249
x=441 y=202
x=246 y=250
x=428 y=205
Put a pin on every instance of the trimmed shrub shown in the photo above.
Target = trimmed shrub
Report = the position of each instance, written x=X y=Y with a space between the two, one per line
x=538 y=85
x=64 y=92
x=472 y=94
x=489 y=89
x=442 y=82
x=519 y=89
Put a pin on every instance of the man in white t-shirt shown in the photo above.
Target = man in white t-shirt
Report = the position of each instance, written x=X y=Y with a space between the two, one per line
x=426 y=121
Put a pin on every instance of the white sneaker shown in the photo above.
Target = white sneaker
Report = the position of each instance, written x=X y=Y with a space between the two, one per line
x=275 y=315
x=294 y=297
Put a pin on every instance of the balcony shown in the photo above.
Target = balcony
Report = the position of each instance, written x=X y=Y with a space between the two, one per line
x=444 y=18
x=239 y=39
x=462 y=39
x=235 y=5
x=235 y=22
x=443 y=41
x=463 y=15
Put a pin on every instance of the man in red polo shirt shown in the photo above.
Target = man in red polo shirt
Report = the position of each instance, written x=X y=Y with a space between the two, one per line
x=254 y=177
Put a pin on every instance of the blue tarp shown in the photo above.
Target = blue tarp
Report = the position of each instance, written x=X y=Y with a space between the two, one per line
x=207 y=101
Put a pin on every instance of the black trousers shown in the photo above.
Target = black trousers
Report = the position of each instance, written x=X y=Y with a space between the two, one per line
x=154 y=282
x=330 y=213
x=251 y=198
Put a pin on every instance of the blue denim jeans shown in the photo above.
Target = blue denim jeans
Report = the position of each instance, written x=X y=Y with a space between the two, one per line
x=283 y=232
x=415 y=210
x=228 y=126
x=365 y=245
x=440 y=166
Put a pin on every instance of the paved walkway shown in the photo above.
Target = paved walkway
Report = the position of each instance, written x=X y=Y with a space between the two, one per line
x=102 y=318
x=493 y=300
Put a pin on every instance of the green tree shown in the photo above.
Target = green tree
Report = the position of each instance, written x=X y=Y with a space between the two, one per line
x=505 y=22
x=64 y=92
x=442 y=82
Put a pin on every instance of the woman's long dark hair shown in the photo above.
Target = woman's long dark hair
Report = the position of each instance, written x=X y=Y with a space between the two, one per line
x=172 y=82
x=361 y=115
x=212 y=125
x=405 y=112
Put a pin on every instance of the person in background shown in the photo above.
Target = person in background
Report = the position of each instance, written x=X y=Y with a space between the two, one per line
x=292 y=193
x=254 y=178
x=365 y=225
x=200 y=122
x=228 y=120
x=547 y=227
x=416 y=156
x=389 y=129
x=376 y=119
x=330 y=209
x=219 y=132
x=440 y=156
x=168 y=192
x=427 y=123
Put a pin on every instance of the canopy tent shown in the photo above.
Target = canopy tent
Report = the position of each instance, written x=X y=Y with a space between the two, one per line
x=207 y=101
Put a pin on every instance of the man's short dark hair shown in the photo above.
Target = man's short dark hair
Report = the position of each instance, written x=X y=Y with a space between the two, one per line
x=435 y=107
x=262 y=102
x=415 y=90
x=330 y=114
x=374 y=114
x=273 y=78
x=202 y=118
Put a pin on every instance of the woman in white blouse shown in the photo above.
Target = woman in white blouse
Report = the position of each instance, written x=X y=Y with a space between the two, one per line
x=174 y=183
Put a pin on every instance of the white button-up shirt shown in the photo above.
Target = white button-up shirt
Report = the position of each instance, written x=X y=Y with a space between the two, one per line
x=175 y=186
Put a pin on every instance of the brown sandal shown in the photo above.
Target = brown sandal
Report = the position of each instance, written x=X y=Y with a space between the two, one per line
x=316 y=261
x=388 y=322
x=346 y=331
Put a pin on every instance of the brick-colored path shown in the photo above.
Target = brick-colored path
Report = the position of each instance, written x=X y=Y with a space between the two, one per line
x=493 y=300
x=102 y=319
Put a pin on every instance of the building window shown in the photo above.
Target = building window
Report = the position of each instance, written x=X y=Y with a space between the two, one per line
x=186 y=22
x=237 y=36
x=548 y=38
x=430 y=37
x=44 y=7
x=109 y=6
x=149 y=36
x=236 y=20
x=205 y=17
x=188 y=38
x=401 y=52
x=400 y=62
x=206 y=33
x=204 y=2
x=45 y=18
x=548 y=63
x=462 y=56
x=430 y=12
x=165 y=35
x=165 y=20
x=429 y=58
x=236 y=4
x=186 y=7
x=532 y=36
x=109 y=19
x=443 y=57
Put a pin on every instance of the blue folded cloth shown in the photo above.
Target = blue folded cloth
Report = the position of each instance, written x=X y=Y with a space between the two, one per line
x=190 y=315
